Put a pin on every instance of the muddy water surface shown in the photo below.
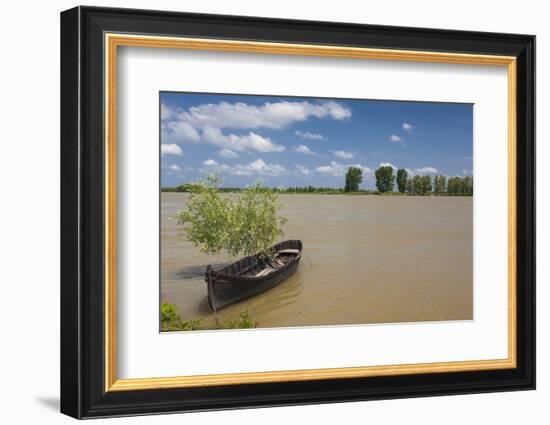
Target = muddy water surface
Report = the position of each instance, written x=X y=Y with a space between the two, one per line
x=372 y=259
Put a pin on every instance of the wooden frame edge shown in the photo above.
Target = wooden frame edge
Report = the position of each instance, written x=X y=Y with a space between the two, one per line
x=306 y=375
x=110 y=213
x=512 y=212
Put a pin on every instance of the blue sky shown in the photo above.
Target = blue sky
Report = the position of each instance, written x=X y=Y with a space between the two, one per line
x=300 y=141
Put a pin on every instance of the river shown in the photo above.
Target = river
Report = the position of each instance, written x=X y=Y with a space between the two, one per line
x=368 y=259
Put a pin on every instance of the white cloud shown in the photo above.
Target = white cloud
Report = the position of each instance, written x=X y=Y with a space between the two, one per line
x=174 y=167
x=410 y=172
x=309 y=136
x=408 y=127
x=304 y=170
x=258 y=167
x=468 y=158
x=427 y=170
x=250 y=141
x=342 y=154
x=171 y=149
x=334 y=169
x=227 y=153
x=167 y=113
x=303 y=149
x=179 y=131
x=395 y=138
x=274 y=115
x=204 y=122
x=337 y=169
x=211 y=163
x=262 y=168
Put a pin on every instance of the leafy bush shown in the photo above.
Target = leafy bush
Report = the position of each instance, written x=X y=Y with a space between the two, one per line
x=190 y=325
x=243 y=224
x=171 y=320
x=168 y=313
x=244 y=322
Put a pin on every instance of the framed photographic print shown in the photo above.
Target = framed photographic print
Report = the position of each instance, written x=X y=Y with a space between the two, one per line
x=261 y=212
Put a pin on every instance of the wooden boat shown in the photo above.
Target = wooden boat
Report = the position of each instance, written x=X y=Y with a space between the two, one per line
x=252 y=275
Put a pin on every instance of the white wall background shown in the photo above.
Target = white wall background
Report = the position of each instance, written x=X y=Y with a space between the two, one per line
x=29 y=209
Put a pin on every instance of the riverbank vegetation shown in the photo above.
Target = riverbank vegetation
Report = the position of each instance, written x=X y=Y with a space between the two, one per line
x=389 y=182
x=170 y=320
x=289 y=190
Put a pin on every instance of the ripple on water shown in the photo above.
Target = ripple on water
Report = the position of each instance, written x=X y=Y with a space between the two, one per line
x=373 y=260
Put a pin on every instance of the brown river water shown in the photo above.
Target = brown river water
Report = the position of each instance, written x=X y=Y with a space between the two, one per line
x=368 y=259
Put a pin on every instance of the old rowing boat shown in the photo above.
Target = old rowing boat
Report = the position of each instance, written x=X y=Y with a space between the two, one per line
x=252 y=275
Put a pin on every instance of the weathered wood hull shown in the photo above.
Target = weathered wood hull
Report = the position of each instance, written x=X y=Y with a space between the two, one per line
x=231 y=284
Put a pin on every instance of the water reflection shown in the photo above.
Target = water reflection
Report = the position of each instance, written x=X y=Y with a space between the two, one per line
x=195 y=272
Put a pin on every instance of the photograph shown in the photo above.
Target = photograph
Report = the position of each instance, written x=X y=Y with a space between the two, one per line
x=287 y=210
x=280 y=211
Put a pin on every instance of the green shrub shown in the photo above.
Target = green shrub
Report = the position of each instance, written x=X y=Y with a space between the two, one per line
x=170 y=320
x=244 y=322
x=168 y=313
x=242 y=224
x=190 y=325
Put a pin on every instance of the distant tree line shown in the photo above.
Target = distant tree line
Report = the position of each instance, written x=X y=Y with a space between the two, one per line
x=386 y=179
x=310 y=189
x=461 y=186
x=188 y=187
x=422 y=185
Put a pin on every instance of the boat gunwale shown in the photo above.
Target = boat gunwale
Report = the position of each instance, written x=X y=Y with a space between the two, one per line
x=221 y=274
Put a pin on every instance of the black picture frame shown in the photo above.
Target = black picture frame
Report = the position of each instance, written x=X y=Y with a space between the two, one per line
x=82 y=219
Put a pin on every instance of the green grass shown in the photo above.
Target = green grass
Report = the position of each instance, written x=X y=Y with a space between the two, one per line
x=244 y=322
x=171 y=321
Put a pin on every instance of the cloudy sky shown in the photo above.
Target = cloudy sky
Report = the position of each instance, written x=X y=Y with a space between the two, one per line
x=292 y=141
